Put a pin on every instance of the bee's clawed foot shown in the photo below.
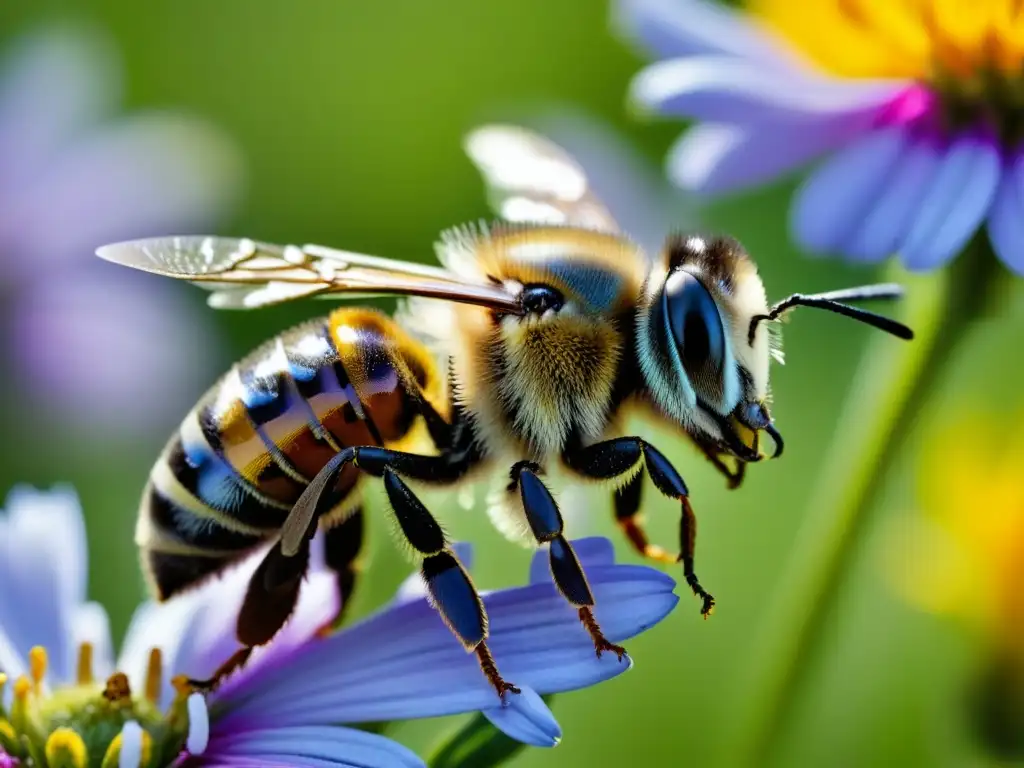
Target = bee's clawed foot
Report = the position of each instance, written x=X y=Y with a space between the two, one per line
x=707 y=599
x=602 y=645
x=503 y=687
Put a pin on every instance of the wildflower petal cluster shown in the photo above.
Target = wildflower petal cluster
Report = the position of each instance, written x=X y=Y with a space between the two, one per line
x=914 y=106
x=71 y=705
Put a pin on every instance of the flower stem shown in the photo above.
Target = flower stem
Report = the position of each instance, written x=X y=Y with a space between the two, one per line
x=892 y=385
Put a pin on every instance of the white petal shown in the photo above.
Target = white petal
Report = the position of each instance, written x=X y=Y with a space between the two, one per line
x=198 y=725
x=131 y=746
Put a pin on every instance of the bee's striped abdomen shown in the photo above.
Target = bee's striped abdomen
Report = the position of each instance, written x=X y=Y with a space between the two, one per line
x=241 y=458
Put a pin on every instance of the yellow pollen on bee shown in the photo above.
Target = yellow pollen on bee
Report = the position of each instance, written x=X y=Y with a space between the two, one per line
x=154 y=675
x=65 y=749
x=37 y=663
x=117 y=690
x=85 y=664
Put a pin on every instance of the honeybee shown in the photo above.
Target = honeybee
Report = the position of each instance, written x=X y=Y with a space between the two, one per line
x=550 y=326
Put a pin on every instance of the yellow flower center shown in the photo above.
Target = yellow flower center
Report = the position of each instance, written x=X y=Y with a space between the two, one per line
x=968 y=53
x=88 y=725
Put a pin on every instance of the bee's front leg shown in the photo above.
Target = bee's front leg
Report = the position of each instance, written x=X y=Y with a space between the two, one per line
x=545 y=522
x=620 y=456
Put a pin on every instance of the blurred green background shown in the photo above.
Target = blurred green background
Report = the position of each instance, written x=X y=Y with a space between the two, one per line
x=350 y=118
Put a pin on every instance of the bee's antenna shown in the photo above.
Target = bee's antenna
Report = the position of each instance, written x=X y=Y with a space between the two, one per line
x=832 y=301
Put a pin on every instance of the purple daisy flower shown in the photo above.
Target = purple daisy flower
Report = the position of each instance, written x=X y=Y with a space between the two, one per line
x=72 y=180
x=289 y=704
x=912 y=104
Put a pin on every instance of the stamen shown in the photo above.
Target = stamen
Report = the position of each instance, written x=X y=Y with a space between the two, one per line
x=19 y=707
x=37 y=663
x=198 y=725
x=154 y=676
x=131 y=748
x=118 y=691
x=65 y=749
x=8 y=738
x=85 y=664
x=3 y=687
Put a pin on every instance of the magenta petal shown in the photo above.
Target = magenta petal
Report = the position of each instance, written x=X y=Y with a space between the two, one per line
x=695 y=28
x=713 y=158
x=891 y=212
x=727 y=90
x=1006 y=219
x=954 y=204
x=831 y=203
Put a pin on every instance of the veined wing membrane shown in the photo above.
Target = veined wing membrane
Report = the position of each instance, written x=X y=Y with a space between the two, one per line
x=531 y=179
x=244 y=274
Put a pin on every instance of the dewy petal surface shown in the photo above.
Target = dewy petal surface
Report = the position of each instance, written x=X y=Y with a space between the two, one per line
x=693 y=28
x=404 y=663
x=830 y=204
x=43 y=572
x=1006 y=219
x=954 y=204
x=728 y=90
x=307 y=746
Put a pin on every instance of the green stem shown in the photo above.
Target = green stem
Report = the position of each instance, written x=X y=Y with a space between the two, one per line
x=891 y=386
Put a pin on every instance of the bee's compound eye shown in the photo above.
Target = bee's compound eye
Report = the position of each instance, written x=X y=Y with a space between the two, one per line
x=696 y=328
x=538 y=299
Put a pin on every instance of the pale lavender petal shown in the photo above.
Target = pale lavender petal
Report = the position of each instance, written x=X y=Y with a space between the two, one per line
x=526 y=718
x=43 y=572
x=327 y=746
x=56 y=81
x=404 y=663
x=592 y=552
x=891 y=212
x=954 y=204
x=90 y=624
x=102 y=347
x=141 y=176
x=414 y=588
x=726 y=90
x=712 y=158
x=831 y=203
x=670 y=28
x=1006 y=219
x=12 y=662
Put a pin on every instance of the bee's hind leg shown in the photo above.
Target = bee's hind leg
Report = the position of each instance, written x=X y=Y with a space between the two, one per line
x=342 y=545
x=619 y=456
x=545 y=521
x=269 y=600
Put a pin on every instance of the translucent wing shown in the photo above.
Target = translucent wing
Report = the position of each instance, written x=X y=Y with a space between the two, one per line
x=244 y=274
x=532 y=179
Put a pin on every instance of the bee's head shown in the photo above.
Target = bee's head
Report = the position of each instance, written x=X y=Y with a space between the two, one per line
x=705 y=347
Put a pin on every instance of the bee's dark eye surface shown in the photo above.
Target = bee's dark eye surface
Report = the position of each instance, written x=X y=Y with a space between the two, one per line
x=538 y=299
x=696 y=329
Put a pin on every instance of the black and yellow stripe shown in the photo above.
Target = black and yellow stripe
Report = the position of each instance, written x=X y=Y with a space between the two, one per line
x=244 y=454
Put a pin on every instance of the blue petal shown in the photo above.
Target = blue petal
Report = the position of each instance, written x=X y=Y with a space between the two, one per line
x=1006 y=219
x=696 y=28
x=882 y=229
x=954 y=205
x=713 y=158
x=526 y=718
x=592 y=552
x=833 y=200
x=403 y=662
x=726 y=90
x=43 y=572
x=312 y=746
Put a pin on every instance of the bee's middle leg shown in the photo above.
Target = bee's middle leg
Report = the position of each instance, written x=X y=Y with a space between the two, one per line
x=619 y=456
x=342 y=545
x=545 y=522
